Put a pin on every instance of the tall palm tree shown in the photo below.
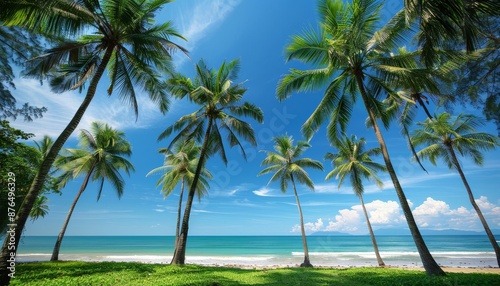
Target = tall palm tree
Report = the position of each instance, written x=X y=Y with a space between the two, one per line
x=447 y=136
x=352 y=160
x=115 y=35
x=286 y=166
x=356 y=61
x=442 y=21
x=101 y=157
x=180 y=166
x=219 y=99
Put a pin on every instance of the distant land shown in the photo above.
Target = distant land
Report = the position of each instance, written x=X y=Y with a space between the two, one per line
x=397 y=231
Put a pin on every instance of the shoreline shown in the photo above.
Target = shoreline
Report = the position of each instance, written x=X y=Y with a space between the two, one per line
x=268 y=262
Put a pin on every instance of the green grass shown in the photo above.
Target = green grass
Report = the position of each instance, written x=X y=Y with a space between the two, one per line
x=129 y=273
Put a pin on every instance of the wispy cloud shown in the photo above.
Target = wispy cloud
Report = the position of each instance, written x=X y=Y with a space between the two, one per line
x=267 y=192
x=62 y=107
x=369 y=187
x=197 y=21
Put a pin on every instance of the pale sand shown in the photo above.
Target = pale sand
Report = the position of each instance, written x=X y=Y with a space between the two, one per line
x=488 y=270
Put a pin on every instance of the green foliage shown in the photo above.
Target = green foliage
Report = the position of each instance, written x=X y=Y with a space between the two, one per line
x=220 y=104
x=180 y=166
x=286 y=164
x=16 y=46
x=352 y=160
x=138 y=47
x=103 y=151
x=129 y=273
x=351 y=54
x=23 y=161
x=444 y=133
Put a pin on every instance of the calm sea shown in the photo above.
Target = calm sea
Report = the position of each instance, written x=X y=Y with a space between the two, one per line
x=448 y=250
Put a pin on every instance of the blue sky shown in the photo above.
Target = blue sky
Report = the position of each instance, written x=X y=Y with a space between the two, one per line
x=239 y=202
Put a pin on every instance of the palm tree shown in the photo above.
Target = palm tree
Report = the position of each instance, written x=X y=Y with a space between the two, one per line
x=180 y=166
x=218 y=98
x=362 y=63
x=287 y=167
x=40 y=208
x=121 y=38
x=445 y=138
x=442 y=21
x=353 y=161
x=99 y=159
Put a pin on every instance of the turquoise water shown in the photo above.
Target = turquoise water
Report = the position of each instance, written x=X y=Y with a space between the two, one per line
x=471 y=250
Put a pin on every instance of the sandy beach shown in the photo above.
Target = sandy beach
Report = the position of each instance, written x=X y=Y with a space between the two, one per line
x=261 y=263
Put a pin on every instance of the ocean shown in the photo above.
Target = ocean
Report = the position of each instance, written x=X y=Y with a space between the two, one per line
x=448 y=250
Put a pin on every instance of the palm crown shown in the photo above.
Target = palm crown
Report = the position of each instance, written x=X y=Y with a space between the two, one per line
x=102 y=154
x=180 y=166
x=218 y=98
x=444 y=132
x=352 y=57
x=352 y=160
x=119 y=33
x=286 y=164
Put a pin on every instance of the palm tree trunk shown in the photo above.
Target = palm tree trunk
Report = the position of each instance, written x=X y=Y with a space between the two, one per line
x=177 y=228
x=372 y=235
x=491 y=237
x=57 y=246
x=307 y=262
x=421 y=102
x=11 y=243
x=180 y=246
x=430 y=265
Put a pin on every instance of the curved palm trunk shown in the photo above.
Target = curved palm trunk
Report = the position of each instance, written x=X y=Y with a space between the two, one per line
x=372 y=235
x=180 y=246
x=307 y=262
x=421 y=102
x=430 y=265
x=177 y=228
x=491 y=237
x=10 y=247
x=57 y=246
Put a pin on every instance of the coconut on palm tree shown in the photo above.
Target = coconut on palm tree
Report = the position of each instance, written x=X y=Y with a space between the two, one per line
x=446 y=137
x=219 y=98
x=101 y=158
x=352 y=160
x=287 y=166
x=355 y=59
x=180 y=166
x=119 y=36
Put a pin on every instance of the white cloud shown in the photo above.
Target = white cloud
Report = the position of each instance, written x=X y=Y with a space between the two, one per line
x=62 y=107
x=159 y=210
x=346 y=221
x=310 y=226
x=381 y=212
x=200 y=19
x=266 y=192
x=433 y=208
x=431 y=214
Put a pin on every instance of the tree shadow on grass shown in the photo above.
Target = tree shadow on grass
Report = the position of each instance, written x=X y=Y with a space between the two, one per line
x=48 y=270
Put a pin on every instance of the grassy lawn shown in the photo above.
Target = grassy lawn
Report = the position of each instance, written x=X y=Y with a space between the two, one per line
x=129 y=273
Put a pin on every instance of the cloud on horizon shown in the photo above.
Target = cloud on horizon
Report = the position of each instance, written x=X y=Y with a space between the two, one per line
x=431 y=214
